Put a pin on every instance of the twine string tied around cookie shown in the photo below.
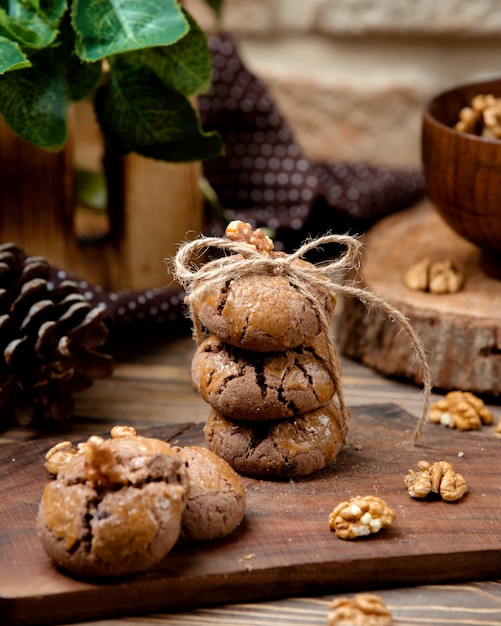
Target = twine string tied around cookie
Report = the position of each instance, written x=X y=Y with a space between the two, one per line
x=250 y=261
x=308 y=279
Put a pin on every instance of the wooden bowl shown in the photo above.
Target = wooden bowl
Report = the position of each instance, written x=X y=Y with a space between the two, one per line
x=463 y=172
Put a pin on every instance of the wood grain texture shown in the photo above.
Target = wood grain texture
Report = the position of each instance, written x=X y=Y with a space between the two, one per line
x=38 y=215
x=460 y=331
x=284 y=546
x=474 y=604
x=153 y=205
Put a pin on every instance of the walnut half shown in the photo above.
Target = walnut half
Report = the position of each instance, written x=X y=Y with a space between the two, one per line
x=242 y=231
x=436 y=478
x=360 y=516
x=437 y=277
x=461 y=410
x=364 y=609
x=57 y=457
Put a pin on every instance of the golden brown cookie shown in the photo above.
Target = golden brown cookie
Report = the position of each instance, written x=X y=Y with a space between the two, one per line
x=262 y=313
x=216 y=497
x=262 y=385
x=278 y=449
x=114 y=509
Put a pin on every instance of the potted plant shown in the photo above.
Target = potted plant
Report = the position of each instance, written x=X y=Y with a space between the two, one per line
x=141 y=63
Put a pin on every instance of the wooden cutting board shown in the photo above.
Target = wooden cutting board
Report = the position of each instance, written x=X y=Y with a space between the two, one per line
x=284 y=545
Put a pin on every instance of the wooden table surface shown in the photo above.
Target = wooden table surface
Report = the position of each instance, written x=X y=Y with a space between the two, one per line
x=151 y=386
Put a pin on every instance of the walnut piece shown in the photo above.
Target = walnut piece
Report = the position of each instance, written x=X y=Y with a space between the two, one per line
x=57 y=457
x=416 y=277
x=64 y=451
x=242 y=231
x=117 y=432
x=101 y=465
x=461 y=410
x=437 y=277
x=436 y=478
x=364 y=609
x=360 y=516
x=482 y=118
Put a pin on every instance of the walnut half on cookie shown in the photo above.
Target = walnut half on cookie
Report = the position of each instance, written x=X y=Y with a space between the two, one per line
x=60 y=454
x=244 y=233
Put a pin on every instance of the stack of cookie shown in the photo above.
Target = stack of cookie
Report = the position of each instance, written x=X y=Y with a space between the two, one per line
x=265 y=369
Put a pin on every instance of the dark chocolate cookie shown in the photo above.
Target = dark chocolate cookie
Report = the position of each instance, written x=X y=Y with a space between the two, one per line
x=278 y=449
x=216 y=497
x=262 y=385
x=263 y=313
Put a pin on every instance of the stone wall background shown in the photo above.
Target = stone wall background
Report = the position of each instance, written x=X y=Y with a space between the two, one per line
x=353 y=76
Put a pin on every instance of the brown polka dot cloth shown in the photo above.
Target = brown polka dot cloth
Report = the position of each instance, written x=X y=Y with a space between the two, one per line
x=263 y=179
x=132 y=314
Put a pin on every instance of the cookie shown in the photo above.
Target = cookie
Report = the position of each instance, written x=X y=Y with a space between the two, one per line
x=262 y=313
x=114 y=509
x=216 y=497
x=278 y=449
x=262 y=385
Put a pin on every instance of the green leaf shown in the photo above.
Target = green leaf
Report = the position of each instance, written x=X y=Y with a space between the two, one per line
x=11 y=56
x=32 y=26
x=34 y=104
x=107 y=27
x=80 y=76
x=139 y=113
x=185 y=65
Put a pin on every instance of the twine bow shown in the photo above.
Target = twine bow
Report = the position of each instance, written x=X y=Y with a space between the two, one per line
x=199 y=279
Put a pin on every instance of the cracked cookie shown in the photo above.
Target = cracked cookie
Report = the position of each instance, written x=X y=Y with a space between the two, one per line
x=216 y=497
x=265 y=385
x=278 y=449
x=116 y=508
x=262 y=313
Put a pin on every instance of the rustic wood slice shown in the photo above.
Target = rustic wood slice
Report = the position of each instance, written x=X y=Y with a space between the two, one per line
x=284 y=546
x=461 y=332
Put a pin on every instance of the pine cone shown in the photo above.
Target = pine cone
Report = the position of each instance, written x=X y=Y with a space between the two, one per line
x=49 y=333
